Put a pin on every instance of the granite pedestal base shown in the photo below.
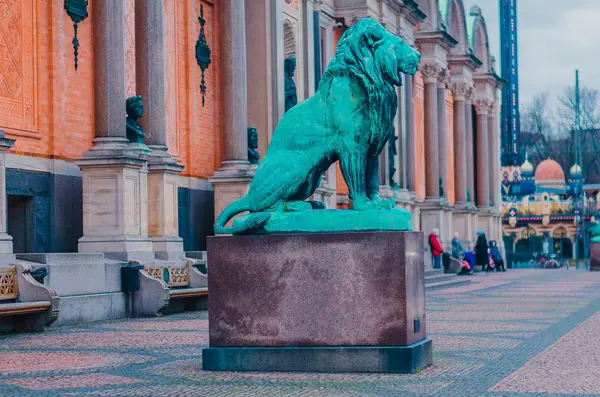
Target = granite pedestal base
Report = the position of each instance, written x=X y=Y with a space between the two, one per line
x=335 y=302
x=369 y=359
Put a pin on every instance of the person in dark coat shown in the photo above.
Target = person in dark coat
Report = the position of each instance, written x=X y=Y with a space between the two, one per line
x=482 y=251
x=497 y=256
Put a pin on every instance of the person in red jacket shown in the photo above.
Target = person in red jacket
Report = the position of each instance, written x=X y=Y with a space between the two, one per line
x=436 y=249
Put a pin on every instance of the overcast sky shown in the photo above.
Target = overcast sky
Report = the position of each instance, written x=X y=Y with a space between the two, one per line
x=555 y=38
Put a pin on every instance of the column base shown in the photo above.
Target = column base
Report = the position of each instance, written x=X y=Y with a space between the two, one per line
x=366 y=359
x=122 y=248
x=163 y=211
x=168 y=248
x=463 y=224
x=6 y=244
x=231 y=182
x=115 y=206
x=403 y=195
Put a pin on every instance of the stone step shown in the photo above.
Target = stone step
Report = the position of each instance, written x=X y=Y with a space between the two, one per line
x=432 y=272
x=439 y=278
x=455 y=281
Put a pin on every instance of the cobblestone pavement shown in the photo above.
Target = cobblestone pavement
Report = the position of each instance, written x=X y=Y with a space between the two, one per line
x=517 y=334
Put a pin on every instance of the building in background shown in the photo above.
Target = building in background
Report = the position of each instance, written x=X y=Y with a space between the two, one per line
x=540 y=204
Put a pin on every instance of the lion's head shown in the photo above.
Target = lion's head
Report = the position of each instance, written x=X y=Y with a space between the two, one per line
x=375 y=55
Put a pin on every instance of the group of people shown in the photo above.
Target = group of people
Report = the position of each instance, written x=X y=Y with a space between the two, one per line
x=486 y=254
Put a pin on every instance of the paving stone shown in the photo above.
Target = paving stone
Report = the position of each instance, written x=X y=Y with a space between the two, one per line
x=527 y=333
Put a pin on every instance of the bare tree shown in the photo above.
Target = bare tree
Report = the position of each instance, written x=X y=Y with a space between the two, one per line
x=537 y=129
x=590 y=122
x=548 y=130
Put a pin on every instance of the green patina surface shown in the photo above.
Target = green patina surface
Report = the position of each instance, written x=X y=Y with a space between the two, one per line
x=327 y=221
x=350 y=120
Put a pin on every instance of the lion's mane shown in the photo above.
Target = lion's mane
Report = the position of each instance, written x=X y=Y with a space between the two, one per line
x=355 y=57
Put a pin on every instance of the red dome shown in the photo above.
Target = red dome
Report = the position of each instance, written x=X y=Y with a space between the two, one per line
x=549 y=171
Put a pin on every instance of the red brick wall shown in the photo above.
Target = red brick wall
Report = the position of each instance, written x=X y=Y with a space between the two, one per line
x=48 y=106
x=56 y=117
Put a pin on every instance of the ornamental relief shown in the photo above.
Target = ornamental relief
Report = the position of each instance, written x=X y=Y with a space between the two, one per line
x=17 y=78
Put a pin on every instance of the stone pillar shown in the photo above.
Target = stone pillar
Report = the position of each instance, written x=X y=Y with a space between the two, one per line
x=462 y=217
x=233 y=179
x=114 y=179
x=432 y=157
x=460 y=144
x=264 y=40
x=410 y=133
x=6 y=244
x=163 y=222
x=483 y=161
x=470 y=150
x=493 y=167
x=442 y=131
x=109 y=75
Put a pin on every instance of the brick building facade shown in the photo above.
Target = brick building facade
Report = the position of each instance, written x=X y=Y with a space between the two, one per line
x=73 y=185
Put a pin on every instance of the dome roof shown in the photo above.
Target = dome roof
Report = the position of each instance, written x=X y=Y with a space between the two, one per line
x=575 y=170
x=549 y=171
x=526 y=166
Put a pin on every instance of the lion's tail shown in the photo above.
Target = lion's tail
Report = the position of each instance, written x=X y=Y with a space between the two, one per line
x=253 y=221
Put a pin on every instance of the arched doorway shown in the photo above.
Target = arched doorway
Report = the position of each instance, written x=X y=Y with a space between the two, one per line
x=562 y=244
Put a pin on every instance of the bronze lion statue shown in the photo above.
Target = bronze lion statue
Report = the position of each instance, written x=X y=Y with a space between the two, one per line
x=349 y=119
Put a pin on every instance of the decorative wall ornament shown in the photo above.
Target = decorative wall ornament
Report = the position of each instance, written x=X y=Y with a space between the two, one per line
x=202 y=52
x=392 y=153
x=77 y=11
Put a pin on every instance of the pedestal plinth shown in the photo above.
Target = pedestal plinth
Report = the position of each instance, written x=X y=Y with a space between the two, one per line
x=115 y=207
x=336 y=302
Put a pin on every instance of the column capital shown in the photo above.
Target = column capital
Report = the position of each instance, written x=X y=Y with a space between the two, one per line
x=483 y=107
x=461 y=90
x=432 y=72
x=444 y=78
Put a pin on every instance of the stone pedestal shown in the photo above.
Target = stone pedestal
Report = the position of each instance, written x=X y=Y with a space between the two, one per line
x=163 y=225
x=485 y=223
x=115 y=207
x=464 y=225
x=337 y=302
x=230 y=186
x=6 y=244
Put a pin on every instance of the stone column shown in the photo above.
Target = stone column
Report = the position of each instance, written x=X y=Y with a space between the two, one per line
x=410 y=133
x=109 y=75
x=432 y=157
x=432 y=213
x=115 y=212
x=442 y=132
x=493 y=167
x=6 y=244
x=264 y=40
x=483 y=161
x=469 y=149
x=232 y=180
x=459 y=90
x=163 y=222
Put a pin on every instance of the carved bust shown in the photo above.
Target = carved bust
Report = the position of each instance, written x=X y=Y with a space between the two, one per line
x=253 y=155
x=135 y=110
x=291 y=99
